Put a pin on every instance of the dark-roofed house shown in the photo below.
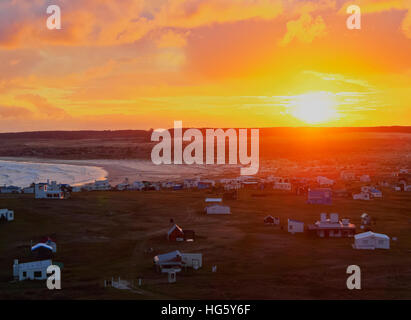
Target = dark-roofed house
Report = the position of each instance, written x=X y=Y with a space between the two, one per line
x=175 y=233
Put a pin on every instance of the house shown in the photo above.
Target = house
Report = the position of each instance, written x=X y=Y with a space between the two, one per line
x=217 y=209
x=295 y=226
x=49 y=191
x=42 y=251
x=36 y=270
x=177 y=260
x=192 y=260
x=10 y=189
x=101 y=185
x=332 y=227
x=361 y=196
x=6 y=215
x=178 y=186
x=190 y=183
x=28 y=190
x=370 y=240
x=319 y=196
x=272 y=220
x=324 y=181
x=136 y=185
x=375 y=193
x=213 y=200
x=171 y=260
x=365 y=219
x=205 y=184
x=123 y=186
x=175 y=233
x=280 y=183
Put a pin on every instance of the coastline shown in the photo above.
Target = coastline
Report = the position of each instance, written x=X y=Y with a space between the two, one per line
x=137 y=169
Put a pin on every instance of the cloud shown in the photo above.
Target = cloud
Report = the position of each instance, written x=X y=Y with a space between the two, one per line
x=8 y=112
x=172 y=39
x=106 y=22
x=43 y=107
x=305 y=29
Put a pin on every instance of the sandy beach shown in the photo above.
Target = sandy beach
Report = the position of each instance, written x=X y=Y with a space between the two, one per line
x=118 y=170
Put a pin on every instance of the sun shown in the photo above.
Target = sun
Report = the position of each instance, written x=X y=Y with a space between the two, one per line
x=314 y=107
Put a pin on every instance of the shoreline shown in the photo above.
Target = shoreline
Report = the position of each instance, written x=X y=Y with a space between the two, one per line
x=137 y=169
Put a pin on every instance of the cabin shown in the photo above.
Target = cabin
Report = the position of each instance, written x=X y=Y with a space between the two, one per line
x=370 y=240
x=190 y=183
x=101 y=185
x=192 y=260
x=177 y=260
x=361 y=196
x=171 y=260
x=270 y=220
x=320 y=196
x=202 y=185
x=217 y=209
x=6 y=215
x=213 y=200
x=36 y=270
x=295 y=226
x=175 y=233
x=324 y=181
x=365 y=219
x=332 y=227
x=28 y=190
x=49 y=191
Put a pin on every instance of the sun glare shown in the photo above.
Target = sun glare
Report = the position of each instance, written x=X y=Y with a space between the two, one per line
x=314 y=107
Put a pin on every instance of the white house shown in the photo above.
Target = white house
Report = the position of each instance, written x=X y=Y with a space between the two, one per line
x=217 y=209
x=6 y=214
x=324 y=181
x=371 y=240
x=136 y=185
x=36 y=270
x=208 y=200
x=332 y=227
x=361 y=196
x=48 y=191
x=101 y=185
x=192 y=260
x=295 y=226
x=190 y=183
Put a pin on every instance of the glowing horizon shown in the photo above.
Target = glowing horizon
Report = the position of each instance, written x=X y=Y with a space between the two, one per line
x=209 y=63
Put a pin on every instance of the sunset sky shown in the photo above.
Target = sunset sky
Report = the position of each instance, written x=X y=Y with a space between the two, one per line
x=140 y=64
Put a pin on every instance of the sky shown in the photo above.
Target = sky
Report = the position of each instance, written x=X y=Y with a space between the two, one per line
x=141 y=64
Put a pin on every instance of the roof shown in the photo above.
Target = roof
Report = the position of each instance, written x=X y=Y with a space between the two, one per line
x=213 y=200
x=167 y=256
x=371 y=234
x=173 y=228
x=291 y=220
x=39 y=245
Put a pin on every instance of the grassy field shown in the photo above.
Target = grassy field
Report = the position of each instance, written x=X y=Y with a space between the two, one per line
x=101 y=235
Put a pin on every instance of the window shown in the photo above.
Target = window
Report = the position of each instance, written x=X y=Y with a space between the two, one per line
x=291 y=227
x=38 y=274
x=24 y=274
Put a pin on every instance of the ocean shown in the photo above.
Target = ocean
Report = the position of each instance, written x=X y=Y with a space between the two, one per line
x=22 y=174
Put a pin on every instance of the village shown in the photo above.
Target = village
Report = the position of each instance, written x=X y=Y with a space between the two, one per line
x=347 y=207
